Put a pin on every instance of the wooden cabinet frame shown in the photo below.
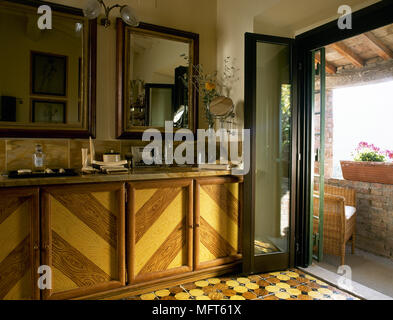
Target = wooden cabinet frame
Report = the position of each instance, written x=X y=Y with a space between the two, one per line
x=46 y=235
x=215 y=181
x=42 y=225
x=33 y=195
x=131 y=230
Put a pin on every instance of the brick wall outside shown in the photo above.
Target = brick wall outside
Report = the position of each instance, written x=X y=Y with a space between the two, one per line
x=374 y=220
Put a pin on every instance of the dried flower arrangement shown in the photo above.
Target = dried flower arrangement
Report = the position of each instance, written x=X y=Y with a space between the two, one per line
x=212 y=85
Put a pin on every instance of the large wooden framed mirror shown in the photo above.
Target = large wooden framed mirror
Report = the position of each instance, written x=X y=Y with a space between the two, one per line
x=154 y=79
x=48 y=76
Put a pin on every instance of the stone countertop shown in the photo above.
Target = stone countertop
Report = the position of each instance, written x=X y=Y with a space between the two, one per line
x=140 y=174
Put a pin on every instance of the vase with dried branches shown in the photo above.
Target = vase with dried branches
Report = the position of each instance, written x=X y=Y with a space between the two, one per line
x=212 y=85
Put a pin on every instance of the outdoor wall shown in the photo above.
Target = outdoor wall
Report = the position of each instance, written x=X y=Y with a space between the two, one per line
x=374 y=216
x=375 y=71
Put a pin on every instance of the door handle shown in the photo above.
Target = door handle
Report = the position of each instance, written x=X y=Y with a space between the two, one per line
x=317 y=155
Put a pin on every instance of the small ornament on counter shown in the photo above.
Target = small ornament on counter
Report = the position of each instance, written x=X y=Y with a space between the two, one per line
x=38 y=159
x=86 y=169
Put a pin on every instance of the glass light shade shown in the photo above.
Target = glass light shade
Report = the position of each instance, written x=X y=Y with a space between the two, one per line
x=78 y=27
x=92 y=9
x=129 y=17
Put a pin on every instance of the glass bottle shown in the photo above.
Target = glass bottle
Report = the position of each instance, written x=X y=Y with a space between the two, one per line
x=38 y=159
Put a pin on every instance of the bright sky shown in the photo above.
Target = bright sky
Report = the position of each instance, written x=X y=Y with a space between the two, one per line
x=362 y=113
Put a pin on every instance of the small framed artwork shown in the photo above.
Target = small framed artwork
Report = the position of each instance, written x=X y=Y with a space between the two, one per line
x=48 y=74
x=48 y=111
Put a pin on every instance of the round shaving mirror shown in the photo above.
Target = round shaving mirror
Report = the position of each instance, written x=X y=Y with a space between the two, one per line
x=177 y=119
x=221 y=107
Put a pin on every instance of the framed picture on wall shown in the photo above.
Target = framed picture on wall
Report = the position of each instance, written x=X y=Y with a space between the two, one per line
x=48 y=74
x=48 y=111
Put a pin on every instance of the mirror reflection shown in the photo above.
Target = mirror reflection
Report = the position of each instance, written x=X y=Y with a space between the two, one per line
x=158 y=81
x=42 y=71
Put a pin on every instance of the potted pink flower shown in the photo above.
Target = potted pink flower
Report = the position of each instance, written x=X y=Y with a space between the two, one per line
x=371 y=164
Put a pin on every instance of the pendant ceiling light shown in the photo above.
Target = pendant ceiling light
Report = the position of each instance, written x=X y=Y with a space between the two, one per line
x=93 y=9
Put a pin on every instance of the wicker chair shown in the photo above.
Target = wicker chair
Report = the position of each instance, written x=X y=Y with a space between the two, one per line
x=339 y=220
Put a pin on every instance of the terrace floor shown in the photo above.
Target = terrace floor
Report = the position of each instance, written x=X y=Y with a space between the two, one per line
x=370 y=270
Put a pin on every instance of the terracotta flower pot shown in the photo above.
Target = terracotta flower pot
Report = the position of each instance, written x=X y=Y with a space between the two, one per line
x=374 y=172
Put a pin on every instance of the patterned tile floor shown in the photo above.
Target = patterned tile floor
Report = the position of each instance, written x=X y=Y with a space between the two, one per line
x=285 y=285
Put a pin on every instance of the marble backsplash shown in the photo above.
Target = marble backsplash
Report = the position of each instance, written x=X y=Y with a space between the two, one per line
x=17 y=153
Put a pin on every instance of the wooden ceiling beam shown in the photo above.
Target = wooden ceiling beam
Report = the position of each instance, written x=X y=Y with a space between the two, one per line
x=378 y=46
x=330 y=68
x=347 y=53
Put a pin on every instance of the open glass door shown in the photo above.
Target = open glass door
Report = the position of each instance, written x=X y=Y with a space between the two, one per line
x=318 y=89
x=268 y=114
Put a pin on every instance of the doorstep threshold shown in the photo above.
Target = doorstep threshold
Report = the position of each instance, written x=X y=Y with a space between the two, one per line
x=358 y=290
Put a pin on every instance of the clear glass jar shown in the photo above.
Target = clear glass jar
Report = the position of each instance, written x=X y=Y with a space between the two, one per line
x=38 y=159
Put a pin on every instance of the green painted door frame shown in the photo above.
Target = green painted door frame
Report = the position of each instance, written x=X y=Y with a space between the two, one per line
x=318 y=154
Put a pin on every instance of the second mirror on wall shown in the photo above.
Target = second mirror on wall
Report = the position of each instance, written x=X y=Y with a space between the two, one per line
x=155 y=66
x=47 y=77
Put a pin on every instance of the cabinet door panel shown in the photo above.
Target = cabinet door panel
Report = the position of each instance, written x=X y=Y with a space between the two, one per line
x=83 y=237
x=19 y=244
x=217 y=219
x=160 y=229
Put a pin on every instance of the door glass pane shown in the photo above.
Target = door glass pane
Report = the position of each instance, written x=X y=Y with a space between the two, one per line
x=273 y=149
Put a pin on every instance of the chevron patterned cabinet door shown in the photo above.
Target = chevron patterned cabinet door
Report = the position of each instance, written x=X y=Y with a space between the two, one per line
x=83 y=238
x=218 y=211
x=19 y=243
x=160 y=222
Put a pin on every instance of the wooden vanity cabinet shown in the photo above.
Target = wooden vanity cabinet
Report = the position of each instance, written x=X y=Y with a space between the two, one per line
x=86 y=233
x=19 y=243
x=218 y=211
x=160 y=229
x=83 y=234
